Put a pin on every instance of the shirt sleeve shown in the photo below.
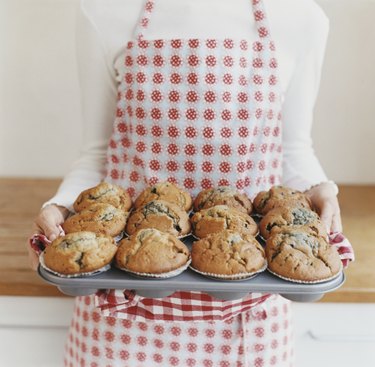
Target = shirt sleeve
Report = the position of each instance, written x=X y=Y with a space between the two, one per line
x=98 y=112
x=301 y=167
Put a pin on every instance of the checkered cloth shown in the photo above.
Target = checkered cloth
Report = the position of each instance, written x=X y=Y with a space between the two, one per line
x=343 y=246
x=180 y=306
x=183 y=306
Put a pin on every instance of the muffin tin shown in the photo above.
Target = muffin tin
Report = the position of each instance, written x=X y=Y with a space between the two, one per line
x=189 y=280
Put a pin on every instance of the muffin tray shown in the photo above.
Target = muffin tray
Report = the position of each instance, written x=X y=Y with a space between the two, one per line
x=189 y=280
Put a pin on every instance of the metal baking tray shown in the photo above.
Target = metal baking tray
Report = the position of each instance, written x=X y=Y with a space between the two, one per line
x=264 y=282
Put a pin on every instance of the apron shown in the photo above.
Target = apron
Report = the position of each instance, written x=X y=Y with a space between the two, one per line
x=261 y=337
x=199 y=113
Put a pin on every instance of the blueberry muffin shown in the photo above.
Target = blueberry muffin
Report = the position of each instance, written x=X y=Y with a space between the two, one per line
x=162 y=215
x=223 y=195
x=288 y=216
x=104 y=193
x=150 y=251
x=228 y=253
x=219 y=218
x=79 y=252
x=300 y=254
x=99 y=218
x=165 y=191
x=279 y=196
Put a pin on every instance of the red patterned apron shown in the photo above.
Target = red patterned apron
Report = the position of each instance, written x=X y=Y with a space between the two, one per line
x=199 y=113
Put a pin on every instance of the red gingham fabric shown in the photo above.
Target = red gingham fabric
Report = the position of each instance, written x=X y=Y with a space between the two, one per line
x=344 y=248
x=180 y=306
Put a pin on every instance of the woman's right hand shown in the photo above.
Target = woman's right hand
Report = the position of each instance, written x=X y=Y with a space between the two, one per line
x=47 y=222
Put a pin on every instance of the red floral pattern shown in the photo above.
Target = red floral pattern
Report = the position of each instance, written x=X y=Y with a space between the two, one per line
x=237 y=89
x=184 y=344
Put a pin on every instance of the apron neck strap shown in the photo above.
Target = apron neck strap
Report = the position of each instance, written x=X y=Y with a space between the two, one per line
x=144 y=19
x=261 y=19
x=259 y=13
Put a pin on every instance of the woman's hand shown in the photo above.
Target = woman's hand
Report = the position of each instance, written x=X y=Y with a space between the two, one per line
x=324 y=200
x=47 y=222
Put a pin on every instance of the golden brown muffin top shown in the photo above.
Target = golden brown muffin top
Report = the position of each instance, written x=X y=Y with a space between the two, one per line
x=105 y=193
x=98 y=218
x=300 y=254
x=79 y=252
x=223 y=195
x=280 y=217
x=280 y=196
x=165 y=191
x=228 y=253
x=162 y=215
x=152 y=251
x=224 y=217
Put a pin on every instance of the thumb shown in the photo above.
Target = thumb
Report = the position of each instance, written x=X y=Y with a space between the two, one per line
x=326 y=215
x=49 y=223
x=52 y=232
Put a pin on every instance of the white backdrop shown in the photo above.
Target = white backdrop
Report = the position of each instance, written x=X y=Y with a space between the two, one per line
x=39 y=100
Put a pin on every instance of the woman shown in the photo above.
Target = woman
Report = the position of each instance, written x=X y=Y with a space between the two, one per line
x=203 y=93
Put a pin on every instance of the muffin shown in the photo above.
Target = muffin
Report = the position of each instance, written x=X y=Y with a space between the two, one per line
x=79 y=252
x=220 y=218
x=162 y=215
x=228 y=253
x=165 y=191
x=104 y=193
x=295 y=217
x=300 y=254
x=279 y=196
x=99 y=218
x=223 y=195
x=150 y=251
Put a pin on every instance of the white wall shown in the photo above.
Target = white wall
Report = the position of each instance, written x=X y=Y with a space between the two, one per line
x=39 y=102
x=344 y=128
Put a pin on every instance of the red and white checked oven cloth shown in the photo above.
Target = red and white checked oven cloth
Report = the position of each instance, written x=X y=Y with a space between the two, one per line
x=183 y=306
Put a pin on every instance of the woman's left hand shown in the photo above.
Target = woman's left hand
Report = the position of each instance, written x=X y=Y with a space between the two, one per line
x=325 y=202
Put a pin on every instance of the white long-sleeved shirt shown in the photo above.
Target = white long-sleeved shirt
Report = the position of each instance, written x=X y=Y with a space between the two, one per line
x=298 y=27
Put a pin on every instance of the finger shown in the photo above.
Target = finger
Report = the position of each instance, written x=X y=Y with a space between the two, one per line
x=336 y=223
x=49 y=229
x=52 y=232
x=327 y=216
x=33 y=258
x=49 y=225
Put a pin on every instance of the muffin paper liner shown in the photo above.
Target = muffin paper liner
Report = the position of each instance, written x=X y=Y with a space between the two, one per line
x=185 y=236
x=167 y=275
x=307 y=281
x=261 y=238
x=120 y=236
x=257 y=217
x=231 y=277
x=78 y=275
